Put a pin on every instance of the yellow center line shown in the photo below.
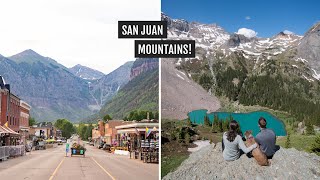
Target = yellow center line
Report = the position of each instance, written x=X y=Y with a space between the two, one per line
x=56 y=170
x=103 y=169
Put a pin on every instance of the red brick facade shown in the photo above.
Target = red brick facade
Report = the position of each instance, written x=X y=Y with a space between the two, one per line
x=14 y=113
x=24 y=114
x=12 y=109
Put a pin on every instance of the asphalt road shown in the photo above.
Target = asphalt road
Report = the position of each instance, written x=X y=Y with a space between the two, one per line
x=97 y=165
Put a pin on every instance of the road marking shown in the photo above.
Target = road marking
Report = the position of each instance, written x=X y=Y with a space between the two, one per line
x=56 y=170
x=103 y=169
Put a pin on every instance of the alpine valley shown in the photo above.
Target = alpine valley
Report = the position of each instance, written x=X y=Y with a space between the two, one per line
x=281 y=72
x=55 y=91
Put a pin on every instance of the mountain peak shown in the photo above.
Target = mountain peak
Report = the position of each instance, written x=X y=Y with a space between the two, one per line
x=86 y=72
x=28 y=52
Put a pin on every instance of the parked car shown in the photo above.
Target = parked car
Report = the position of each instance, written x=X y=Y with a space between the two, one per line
x=101 y=145
x=41 y=145
x=106 y=147
x=59 y=142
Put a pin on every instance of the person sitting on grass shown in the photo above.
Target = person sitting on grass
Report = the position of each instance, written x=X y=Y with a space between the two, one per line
x=232 y=143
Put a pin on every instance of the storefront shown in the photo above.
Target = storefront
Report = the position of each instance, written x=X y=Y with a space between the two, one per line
x=139 y=140
x=8 y=137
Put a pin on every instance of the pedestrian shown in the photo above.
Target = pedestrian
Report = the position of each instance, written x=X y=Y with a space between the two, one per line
x=67 y=148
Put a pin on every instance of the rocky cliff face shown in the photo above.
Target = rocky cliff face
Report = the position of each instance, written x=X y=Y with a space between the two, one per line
x=208 y=163
x=143 y=65
x=309 y=48
x=103 y=89
x=140 y=93
x=180 y=95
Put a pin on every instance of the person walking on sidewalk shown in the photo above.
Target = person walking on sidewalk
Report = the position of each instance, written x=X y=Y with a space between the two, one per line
x=67 y=148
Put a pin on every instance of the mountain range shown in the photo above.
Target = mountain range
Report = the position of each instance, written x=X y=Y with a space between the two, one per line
x=55 y=91
x=279 y=72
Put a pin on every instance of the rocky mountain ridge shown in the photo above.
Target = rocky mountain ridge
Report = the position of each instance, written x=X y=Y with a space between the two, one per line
x=53 y=90
x=280 y=72
x=86 y=72
x=140 y=93
x=143 y=65
x=212 y=39
x=103 y=89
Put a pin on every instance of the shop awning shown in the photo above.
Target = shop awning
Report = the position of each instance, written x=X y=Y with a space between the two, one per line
x=3 y=130
x=7 y=130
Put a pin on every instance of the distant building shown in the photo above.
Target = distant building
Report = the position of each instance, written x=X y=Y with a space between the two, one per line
x=45 y=130
x=106 y=132
x=24 y=120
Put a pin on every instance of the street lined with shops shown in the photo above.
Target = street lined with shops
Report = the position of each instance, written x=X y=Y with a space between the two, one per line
x=97 y=164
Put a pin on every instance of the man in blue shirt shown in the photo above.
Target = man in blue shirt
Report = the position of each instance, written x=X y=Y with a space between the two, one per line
x=266 y=139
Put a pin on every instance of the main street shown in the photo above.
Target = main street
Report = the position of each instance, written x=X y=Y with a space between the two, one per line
x=98 y=164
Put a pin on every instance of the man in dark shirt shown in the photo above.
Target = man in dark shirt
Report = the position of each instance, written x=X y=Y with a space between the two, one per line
x=266 y=139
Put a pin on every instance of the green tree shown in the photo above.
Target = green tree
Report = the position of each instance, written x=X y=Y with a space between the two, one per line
x=107 y=117
x=189 y=123
x=89 y=132
x=309 y=129
x=66 y=127
x=82 y=129
x=315 y=147
x=32 y=121
x=220 y=126
x=206 y=121
x=288 y=143
x=215 y=123
x=156 y=115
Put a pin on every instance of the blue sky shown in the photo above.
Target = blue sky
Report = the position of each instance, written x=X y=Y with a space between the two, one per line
x=267 y=17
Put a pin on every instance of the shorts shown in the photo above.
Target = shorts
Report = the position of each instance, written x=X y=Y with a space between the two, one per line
x=67 y=150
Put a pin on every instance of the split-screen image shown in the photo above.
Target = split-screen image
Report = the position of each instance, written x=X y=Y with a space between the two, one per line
x=159 y=89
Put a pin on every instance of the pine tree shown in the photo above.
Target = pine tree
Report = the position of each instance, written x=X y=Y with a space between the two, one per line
x=206 y=121
x=315 y=147
x=309 y=129
x=189 y=122
x=288 y=143
x=215 y=123
x=220 y=126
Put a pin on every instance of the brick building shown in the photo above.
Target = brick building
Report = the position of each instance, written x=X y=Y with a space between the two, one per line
x=106 y=132
x=12 y=109
x=24 y=114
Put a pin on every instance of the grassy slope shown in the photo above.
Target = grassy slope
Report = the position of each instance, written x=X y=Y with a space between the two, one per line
x=173 y=153
x=140 y=93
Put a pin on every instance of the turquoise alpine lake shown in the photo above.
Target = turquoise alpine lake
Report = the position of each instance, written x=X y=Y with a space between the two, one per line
x=247 y=121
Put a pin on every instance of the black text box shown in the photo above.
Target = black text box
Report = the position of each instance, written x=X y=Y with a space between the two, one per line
x=142 y=29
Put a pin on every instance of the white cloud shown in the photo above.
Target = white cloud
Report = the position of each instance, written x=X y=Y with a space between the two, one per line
x=247 y=17
x=247 y=32
x=73 y=32
x=287 y=32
